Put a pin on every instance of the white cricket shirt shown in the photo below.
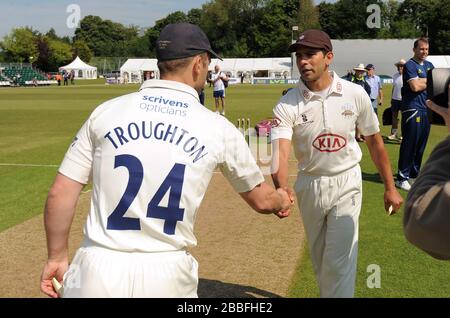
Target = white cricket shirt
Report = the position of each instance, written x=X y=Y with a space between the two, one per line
x=323 y=130
x=151 y=155
x=397 y=83
x=218 y=85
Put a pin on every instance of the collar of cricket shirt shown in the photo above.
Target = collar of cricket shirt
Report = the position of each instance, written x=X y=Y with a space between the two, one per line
x=336 y=87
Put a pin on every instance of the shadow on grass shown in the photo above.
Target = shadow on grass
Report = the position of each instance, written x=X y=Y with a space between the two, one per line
x=371 y=177
x=208 y=288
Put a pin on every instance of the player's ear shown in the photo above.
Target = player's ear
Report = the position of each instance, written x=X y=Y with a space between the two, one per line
x=198 y=63
x=329 y=57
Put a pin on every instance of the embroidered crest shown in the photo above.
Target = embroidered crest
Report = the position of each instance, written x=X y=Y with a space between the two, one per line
x=347 y=110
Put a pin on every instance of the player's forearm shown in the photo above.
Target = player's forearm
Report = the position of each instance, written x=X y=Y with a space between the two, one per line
x=59 y=212
x=58 y=219
x=418 y=84
x=264 y=199
x=280 y=163
x=280 y=177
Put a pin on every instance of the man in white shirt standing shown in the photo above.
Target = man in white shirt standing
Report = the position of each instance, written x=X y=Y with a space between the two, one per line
x=376 y=89
x=151 y=155
x=320 y=116
x=396 y=101
x=219 y=88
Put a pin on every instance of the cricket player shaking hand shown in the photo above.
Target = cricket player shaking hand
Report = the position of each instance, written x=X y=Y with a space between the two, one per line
x=150 y=155
x=319 y=118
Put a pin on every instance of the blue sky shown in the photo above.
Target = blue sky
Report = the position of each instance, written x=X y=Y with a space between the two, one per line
x=44 y=14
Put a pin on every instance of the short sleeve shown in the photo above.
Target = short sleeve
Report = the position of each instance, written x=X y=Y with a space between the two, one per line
x=367 y=120
x=282 y=126
x=409 y=72
x=238 y=164
x=77 y=162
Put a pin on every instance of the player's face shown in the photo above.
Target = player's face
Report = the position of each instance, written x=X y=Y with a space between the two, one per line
x=312 y=63
x=421 y=51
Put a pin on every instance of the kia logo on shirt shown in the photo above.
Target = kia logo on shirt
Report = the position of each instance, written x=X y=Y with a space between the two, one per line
x=329 y=143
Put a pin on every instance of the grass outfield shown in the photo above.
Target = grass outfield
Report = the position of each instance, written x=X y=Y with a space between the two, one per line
x=37 y=125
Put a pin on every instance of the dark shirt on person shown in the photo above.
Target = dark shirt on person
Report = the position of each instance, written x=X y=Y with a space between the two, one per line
x=410 y=99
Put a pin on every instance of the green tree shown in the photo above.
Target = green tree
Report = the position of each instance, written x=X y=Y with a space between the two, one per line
x=439 y=29
x=20 y=45
x=152 y=34
x=81 y=49
x=308 y=16
x=60 y=53
x=194 y=16
x=44 y=53
x=105 y=37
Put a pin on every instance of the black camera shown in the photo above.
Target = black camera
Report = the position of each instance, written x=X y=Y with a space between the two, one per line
x=438 y=80
x=437 y=86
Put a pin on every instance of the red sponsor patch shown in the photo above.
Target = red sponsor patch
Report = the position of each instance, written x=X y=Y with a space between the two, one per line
x=306 y=94
x=329 y=143
x=275 y=122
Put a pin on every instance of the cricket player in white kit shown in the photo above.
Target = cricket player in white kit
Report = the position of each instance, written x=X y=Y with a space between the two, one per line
x=151 y=155
x=320 y=116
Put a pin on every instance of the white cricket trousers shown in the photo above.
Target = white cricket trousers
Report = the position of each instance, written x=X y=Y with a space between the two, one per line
x=330 y=208
x=103 y=273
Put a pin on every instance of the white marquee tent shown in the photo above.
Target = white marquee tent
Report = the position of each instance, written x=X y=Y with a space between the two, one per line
x=82 y=70
x=269 y=67
x=134 y=70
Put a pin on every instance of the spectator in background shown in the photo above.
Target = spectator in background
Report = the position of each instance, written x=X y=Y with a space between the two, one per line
x=376 y=89
x=66 y=78
x=209 y=78
x=72 y=77
x=219 y=88
x=359 y=79
x=415 y=123
x=427 y=219
x=58 y=79
x=396 y=100
x=201 y=96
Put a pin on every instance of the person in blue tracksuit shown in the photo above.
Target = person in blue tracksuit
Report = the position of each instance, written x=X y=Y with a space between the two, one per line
x=415 y=123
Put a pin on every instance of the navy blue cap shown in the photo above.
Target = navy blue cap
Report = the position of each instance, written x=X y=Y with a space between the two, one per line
x=369 y=66
x=181 y=40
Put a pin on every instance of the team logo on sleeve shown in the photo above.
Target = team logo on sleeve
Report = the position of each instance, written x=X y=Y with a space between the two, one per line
x=329 y=142
x=306 y=94
x=275 y=122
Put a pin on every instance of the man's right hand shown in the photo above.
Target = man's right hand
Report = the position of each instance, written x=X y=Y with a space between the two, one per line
x=53 y=269
x=287 y=196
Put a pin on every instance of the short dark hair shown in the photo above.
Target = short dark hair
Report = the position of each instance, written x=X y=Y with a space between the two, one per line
x=421 y=39
x=172 y=66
